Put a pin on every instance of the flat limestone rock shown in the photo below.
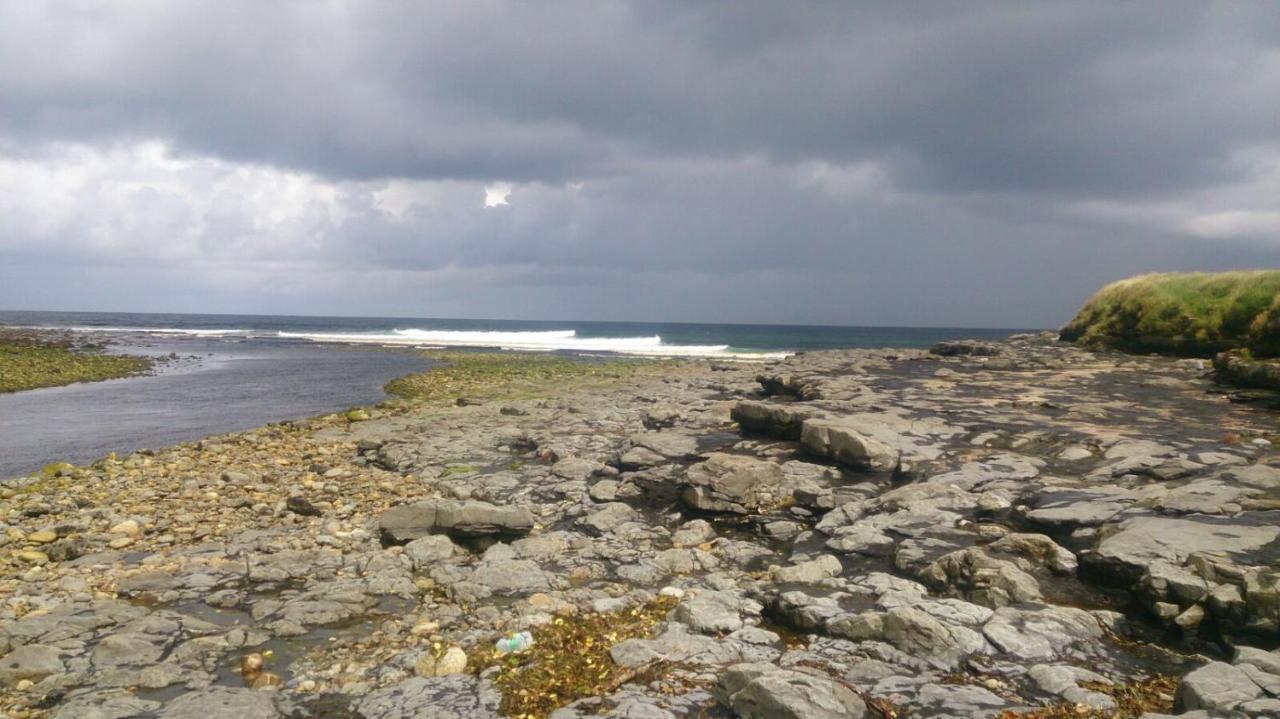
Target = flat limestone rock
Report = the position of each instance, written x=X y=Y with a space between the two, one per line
x=110 y=704
x=33 y=661
x=1064 y=508
x=1042 y=633
x=1140 y=541
x=846 y=444
x=782 y=420
x=457 y=696
x=716 y=612
x=1216 y=686
x=470 y=518
x=222 y=703
x=764 y=692
x=734 y=483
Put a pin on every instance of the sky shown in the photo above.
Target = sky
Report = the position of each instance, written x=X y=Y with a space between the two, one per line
x=977 y=164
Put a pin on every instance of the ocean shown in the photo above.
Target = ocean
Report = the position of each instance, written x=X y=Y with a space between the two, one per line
x=669 y=339
x=235 y=372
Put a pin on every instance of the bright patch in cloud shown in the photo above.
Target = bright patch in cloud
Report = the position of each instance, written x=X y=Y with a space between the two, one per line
x=497 y=195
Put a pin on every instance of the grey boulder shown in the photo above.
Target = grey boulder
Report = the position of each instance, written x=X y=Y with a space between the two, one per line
x=847 y=444
x=734 y=483
x=457 y=518
x=763 y=691
x=1216 y=686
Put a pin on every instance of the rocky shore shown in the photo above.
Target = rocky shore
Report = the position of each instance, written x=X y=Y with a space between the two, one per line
x=1013 y=529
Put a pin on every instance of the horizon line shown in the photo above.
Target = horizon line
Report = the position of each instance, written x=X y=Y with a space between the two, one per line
x=494 y=319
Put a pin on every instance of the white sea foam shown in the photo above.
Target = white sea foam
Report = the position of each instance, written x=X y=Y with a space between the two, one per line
x=541 y=341
x=546 y=341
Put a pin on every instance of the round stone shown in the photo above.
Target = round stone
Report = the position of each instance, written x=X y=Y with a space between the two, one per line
x=454 y=661
x=128 y=528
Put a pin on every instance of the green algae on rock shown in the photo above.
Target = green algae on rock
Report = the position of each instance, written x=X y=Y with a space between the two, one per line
x=1193 y=314
x=1240 y=368
x=506 y=375
x=29 y=360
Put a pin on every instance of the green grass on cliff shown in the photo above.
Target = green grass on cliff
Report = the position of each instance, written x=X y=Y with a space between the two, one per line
x=1195 y=314
x=29 y=361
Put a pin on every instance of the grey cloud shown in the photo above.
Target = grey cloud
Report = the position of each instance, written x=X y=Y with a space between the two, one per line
x=985 y=126
x=1078 y=98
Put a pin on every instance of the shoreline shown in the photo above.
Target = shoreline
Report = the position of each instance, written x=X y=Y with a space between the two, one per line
x=946 y=534
x=196 y=388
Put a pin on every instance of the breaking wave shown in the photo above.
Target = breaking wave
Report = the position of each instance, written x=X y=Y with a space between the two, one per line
x=546 y=341
x=529 y=341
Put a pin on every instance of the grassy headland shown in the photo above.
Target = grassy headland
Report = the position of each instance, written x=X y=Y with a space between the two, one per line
x=1192 y=314
x=31 y=359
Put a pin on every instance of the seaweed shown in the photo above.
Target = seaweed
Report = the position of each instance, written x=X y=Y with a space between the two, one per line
x=30 y=360
x=570 y=660
x=1155 y=694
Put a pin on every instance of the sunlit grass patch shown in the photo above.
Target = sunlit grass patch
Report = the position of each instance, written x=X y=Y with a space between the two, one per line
x=1184 y=313
x=507 y=375
x=570 y=659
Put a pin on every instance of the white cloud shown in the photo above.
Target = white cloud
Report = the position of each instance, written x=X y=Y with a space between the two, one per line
x=140 y=199
x=857 y=180
x=1236 y=223
x=497 y=195
x=247 y=224
x=1247 y=209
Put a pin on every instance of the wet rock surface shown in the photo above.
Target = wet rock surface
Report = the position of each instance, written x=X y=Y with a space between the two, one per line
x=985 y=530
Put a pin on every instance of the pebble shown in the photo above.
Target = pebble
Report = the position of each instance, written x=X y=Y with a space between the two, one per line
x=43 y=537
x=452 y=661
x=251 y=663
x=128 y=528
x=425 y=628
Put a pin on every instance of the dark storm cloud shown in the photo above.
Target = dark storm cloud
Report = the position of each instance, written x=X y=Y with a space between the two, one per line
x=963 y=145
x=1052 y=97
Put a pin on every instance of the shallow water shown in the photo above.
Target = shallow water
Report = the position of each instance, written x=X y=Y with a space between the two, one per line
x=215 y=386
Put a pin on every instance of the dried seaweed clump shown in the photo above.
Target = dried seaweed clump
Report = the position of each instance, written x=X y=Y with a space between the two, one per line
x=570 y=659
x=1154 y=694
